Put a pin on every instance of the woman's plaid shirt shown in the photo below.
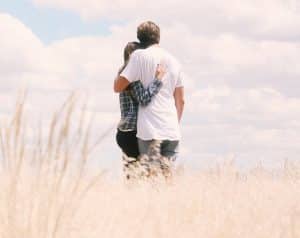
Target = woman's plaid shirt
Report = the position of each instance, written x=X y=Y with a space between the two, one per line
x=130 y=99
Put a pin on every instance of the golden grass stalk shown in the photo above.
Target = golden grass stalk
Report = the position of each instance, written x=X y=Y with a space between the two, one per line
x=47 y=191
x=42 y=181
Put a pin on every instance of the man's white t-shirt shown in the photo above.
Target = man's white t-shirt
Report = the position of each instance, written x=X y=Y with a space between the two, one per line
x=159 y=119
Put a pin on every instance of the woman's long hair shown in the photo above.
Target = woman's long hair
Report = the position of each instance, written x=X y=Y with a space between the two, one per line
x=129 y=48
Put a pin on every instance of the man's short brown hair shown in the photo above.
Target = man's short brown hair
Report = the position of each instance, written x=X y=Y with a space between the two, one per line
x=148 y=33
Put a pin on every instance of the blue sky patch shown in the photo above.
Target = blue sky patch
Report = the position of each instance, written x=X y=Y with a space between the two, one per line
x=51 y=24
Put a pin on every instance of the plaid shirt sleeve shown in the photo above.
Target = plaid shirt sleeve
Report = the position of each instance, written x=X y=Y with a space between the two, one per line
x=144 y=95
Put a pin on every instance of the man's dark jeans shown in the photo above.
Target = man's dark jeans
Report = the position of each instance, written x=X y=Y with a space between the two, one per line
x=168 y=148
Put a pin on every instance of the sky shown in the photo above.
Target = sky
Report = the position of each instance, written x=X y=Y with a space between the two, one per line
x=241 y=60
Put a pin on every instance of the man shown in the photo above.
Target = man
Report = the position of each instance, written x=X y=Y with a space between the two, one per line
x=160 y=119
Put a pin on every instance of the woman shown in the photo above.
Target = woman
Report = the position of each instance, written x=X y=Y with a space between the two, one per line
x=130 y=99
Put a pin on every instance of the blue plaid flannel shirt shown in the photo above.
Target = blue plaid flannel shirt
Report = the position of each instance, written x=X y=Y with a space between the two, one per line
x=130 y=99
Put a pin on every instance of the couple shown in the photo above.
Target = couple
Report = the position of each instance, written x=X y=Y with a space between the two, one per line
x=151 y=96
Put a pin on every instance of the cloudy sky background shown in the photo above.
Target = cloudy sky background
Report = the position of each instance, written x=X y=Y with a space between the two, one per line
x=241 y=59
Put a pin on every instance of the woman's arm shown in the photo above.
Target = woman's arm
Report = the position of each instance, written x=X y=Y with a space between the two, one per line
x=144 y=95
x=128 y=73
x=120 y=84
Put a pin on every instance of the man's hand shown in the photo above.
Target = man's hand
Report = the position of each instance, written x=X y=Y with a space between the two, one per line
x=160 y=72
x=120 y=84
x=179 y=101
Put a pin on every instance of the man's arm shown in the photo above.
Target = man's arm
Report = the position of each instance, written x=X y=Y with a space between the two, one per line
x=179 y=101
x=144 y=95
x=120 y=84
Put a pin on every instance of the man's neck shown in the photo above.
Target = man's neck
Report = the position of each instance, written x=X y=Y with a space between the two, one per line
x=154 y=45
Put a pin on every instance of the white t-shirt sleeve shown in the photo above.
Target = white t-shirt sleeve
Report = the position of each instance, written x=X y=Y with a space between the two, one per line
x=133 y=69
x=179 y=82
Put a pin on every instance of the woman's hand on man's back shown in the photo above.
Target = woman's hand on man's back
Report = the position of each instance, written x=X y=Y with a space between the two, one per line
x=160 y=72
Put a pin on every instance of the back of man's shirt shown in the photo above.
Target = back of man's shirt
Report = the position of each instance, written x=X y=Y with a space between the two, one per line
x=159 y=119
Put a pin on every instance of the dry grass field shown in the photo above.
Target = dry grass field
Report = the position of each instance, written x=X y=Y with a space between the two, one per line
x=47 y=191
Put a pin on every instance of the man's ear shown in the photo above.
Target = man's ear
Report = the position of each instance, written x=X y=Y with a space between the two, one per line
x=120 y=84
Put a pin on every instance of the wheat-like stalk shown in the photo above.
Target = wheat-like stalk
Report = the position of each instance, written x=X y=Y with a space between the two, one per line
x=48 y=191
x=43 y=181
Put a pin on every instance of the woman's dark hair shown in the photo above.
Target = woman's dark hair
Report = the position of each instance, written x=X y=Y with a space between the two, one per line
x=148 y=33
x=129 y=48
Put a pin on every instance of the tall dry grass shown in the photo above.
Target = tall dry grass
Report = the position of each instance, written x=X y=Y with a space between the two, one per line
x=43 y=178
x=48 y=191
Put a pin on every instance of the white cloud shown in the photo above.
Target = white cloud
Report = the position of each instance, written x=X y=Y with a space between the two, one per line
x=265 y=19
x=234 y=102
x=17 y=43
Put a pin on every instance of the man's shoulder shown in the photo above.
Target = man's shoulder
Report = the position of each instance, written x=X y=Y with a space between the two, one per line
x=139 y=54
x=152 y=51
x=171 y=60
x=136 y=53
x=156 y=52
